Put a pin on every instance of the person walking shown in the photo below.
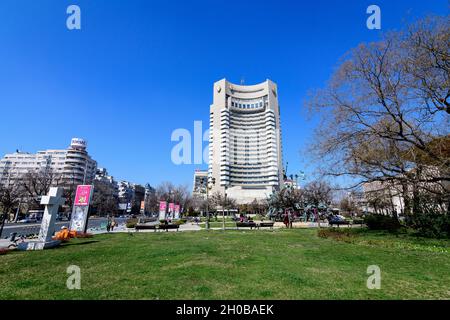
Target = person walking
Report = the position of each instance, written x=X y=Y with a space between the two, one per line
x=113 y=224
x=108 y=224
x=286 y=220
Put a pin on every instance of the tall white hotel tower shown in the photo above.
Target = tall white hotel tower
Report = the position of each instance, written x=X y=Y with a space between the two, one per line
x=245 y=153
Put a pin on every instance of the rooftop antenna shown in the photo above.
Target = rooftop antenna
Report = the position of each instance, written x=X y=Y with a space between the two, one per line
x=242 y=81
x=285 y=171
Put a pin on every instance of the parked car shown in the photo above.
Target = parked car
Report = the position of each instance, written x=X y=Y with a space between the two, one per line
x=337 y=220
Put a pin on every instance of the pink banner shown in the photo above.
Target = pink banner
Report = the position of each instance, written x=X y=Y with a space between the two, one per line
x=171 y=206
x=177 y=208
x=162 y=206
x=83 y=195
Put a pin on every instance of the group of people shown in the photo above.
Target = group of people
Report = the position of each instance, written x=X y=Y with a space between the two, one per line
x=110 y=224
x=288 y=219
x=243 y=218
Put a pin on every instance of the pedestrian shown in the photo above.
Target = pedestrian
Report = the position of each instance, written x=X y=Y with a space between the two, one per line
x=316 y=215
x=113 y=224
x=286 y=220
x=108 y=224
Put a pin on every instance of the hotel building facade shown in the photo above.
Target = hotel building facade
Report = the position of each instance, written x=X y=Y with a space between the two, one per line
x=245 y=149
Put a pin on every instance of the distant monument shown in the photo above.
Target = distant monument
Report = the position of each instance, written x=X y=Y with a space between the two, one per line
x=52 y=202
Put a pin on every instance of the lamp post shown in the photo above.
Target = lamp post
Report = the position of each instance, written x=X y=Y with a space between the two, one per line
x=223 y=209
x=213 y=181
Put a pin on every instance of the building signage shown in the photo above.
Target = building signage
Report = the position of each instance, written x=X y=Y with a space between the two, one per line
x=80 y=211
x=162 y=210
x=177 y=211
x=83 y=195
x=171 y=210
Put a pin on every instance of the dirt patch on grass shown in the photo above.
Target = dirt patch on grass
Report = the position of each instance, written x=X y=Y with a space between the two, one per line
x=344 y=235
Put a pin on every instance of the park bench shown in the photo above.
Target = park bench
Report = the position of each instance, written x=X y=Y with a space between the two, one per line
x=338 y=223
x=168 y=226
x=266 y=225
x=250 y=225
x=358 y=221
x=145 y=226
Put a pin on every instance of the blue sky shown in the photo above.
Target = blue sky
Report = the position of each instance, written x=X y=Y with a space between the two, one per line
x=140 y=69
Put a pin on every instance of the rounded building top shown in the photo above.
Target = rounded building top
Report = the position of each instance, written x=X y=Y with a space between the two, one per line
x=78 y=143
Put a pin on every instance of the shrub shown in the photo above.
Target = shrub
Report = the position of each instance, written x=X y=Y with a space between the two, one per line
x=431 y=225
x=131 y=223
x=179 y=222
x=259 y=217
x=382 y=222
x=358 y=221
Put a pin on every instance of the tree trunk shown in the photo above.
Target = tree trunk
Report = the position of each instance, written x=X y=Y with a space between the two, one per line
x=5 y=214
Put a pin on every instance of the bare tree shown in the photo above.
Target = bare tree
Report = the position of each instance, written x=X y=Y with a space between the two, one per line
x=286 y=198
x=318 y=193
x=10 y=196
x=37 y=183
x=217 y=199
x=166 y=191
x=385 y=113
x=104 y=200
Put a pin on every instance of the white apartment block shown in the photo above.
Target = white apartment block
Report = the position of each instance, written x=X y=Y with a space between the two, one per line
x=245 y=150
x=70 y=166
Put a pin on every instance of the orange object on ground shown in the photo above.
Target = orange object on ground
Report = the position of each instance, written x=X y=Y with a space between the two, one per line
x=65 y=235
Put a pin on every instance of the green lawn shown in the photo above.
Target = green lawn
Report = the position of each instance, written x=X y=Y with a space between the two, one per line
x=278 y=264
x=219 y=224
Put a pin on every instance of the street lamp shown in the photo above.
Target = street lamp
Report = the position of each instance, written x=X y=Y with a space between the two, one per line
x=213 y=181
x=223 y=209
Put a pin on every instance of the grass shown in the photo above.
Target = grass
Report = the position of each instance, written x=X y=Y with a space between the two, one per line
x=278 y=264
x=219 y=224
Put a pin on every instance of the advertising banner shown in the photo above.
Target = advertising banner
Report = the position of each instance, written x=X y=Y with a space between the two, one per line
x=80 y=210
x=83 y=195
x=171 y=210
x=177 y=211
x=162 y=210
x=142 y=206
x=79 y=218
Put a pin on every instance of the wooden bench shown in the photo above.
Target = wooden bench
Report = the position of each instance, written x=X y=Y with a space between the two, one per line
x=168 y=226
x=250 y=225
x=146 y=227
x=266 y=225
